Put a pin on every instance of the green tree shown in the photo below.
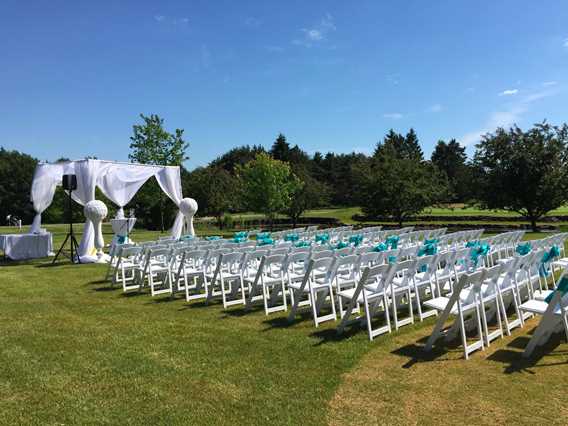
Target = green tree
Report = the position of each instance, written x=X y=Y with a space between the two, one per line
x=152 y=144
x=451 y=159
x=402 y=146
x=16 y=175
x=215 y=188
x=395 y=183
x=236 y=157
x=268 y=185
x=523 y=172
x=310 y=194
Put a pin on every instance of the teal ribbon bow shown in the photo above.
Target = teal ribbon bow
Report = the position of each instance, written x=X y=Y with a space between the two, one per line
x=291 y=237
x=262 y=235
x=265 y=242
x=523 y=249
x=562 y=287
x=427 y=250
x=241 y=234
x=544 y=270
x=471 y=244
x=240 y=239
x=340 y=245
x=380 y=247
x=213 y=238
x=186 y=237
x=432 y=241
x=392 y=259
x=356 y=239
x=392 y=241
x=478 y=251
x=303 y=243
x=121 y=239
x=322 y=238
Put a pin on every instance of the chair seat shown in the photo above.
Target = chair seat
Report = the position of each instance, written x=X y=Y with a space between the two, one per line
x=349 y=293
x=440 y=303
x=542 y=294
x=537 y=307
x=316 y=286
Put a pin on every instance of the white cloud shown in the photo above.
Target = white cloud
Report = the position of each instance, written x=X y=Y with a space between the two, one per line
x=549 y=83
x=318 y=33
x=393 y=115
x=252 y=22
x=393 y=79
x=174 y=21
x=565 y=42
x=507 y=117
x=509 y=92
x=435 y=108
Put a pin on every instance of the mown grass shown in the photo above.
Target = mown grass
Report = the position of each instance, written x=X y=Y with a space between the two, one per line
x=76 y=352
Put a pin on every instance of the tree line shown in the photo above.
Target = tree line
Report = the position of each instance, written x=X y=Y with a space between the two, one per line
x=515 y=170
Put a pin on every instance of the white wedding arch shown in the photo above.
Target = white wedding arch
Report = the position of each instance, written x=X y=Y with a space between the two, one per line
x=118 y=181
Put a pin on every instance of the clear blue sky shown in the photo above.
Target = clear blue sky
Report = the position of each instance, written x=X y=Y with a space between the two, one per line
x=329 y=74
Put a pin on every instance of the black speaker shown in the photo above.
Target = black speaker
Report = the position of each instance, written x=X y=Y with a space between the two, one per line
x=69 y=182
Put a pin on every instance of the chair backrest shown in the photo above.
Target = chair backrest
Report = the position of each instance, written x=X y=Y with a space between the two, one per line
x=343 y=252
x=129 y=252
x=322 y=254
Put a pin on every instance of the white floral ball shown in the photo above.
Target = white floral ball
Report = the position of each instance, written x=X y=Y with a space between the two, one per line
x=95 y=210
x=188 y=206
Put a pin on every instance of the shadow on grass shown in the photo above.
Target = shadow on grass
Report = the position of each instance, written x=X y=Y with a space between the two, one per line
x=330 y=335
x=442 y=351
x=514 y=361
x=242 y=311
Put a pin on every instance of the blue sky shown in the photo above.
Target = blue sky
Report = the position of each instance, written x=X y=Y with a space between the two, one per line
x=331 y=75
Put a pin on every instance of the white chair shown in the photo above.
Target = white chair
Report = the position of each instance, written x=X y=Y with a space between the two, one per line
x=156 y=271
x=554 y=312
x=371 y=292
x=190 y=274
x=423 y=283
x=127 y=263
x=269 y=284
x=317 y=287
x=463 y=305
x=228 y=279
x=400 y=290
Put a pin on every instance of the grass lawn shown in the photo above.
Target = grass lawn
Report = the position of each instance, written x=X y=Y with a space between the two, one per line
x=76 y=352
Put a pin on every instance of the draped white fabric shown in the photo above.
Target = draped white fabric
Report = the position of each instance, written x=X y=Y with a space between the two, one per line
x=169 y=180
x=121 y=182
x=46 y=178
x=118 y=181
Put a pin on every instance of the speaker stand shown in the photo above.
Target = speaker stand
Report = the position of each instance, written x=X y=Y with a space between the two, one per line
x=73 y=253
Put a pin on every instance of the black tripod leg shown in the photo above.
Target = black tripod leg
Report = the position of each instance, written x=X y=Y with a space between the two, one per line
x=60 y=249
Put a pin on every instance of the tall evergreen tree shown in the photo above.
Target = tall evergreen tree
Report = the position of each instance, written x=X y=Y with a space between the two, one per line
x=451 y=159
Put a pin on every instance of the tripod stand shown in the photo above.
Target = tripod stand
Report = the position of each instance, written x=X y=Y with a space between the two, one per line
x=74 y=249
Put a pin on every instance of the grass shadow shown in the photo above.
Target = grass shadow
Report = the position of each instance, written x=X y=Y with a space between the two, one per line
x=242 y=311
x=330 y=335
x=516 y=363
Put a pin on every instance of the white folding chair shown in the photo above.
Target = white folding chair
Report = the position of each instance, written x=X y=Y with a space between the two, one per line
x=371 y=292
x=464 y=305
x=269 y=284
x=317 y=287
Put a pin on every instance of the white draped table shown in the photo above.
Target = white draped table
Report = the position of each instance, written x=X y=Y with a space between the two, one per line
x=26 y=246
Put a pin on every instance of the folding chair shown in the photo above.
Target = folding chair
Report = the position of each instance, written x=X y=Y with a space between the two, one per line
x=463 y=306
x=317 y=288
x=371 y=292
